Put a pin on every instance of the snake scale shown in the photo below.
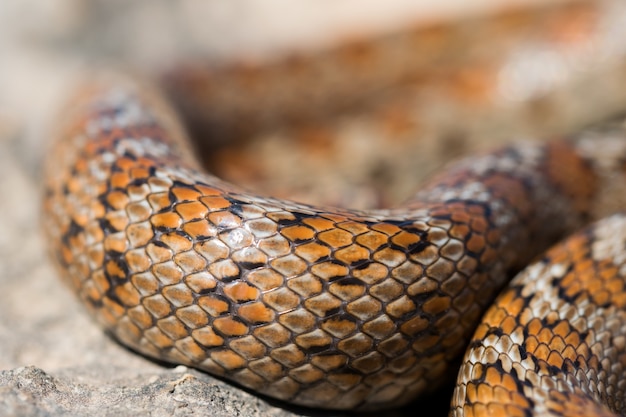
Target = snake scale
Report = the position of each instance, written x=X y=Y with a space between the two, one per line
x=338 y=308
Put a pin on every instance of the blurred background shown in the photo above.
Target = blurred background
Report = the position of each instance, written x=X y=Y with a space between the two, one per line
x=369 y=96
x=351 y=103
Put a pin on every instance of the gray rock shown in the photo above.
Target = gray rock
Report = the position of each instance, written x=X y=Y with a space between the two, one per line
x=30 y=391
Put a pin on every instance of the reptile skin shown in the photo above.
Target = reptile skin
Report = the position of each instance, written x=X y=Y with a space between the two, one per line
x=336 y=308
x=553 y=343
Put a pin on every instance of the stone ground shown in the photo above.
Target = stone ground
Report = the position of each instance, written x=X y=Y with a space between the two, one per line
x=54 y=361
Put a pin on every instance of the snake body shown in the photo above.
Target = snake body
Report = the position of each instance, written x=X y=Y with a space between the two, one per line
x=333 y=308
x=553 y=343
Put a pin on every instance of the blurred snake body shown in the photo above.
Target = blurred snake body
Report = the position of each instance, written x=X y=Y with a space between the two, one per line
x=336 y=308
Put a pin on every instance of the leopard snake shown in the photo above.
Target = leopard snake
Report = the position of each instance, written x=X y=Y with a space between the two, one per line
x=339 y=308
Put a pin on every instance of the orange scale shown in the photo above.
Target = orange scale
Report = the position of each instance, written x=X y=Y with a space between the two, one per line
x=273 y=335
x=562 y=329
x=125 y=164
x=479 y=224
x=364 y=308
x=199 y=229
x=191 y=349
x=185 y=194
x=279 y=216
x=298 y=233
x=356 y=345
x=471 y=392
x=405 y=239
x=558 y=256
x=557 y=344
x=508 y=385
x=256 y=313
x=224 y=219
x=290 y=355
x=372 y=240
x=139 y=173
x=158 y=253
x=619 y=300
x=281 y=299
x=127 y=294
x=230 y=327
x=166 y=220
x=248 y=347
x=335 y=218
x=329 y=270
x=336 y=238
x=241 y=292
x=176 y=242
x=542 y=352
x=489 y=255
x=267 y=368
x=574 y=288
x=306 y=285
x=117 y=199
x=228 y=359
x=545 y=335
x=113 y=269
x=495 y=315
x=460 y=216
x=531 y=344
x=615 y=284
x=319 y=224
x=356 y=228
x=116 y=310
x=435 y=305
x=476 y=243
x=215 y=203
x=91 y=292
x=600 y=298
x=289 y=265
x=193 y=210
x=386 y=228
x=351 y=254
x=475 y=209
x=119 y=180
x=509 y=324
x=584 y=265
x=213 y=305
x=568 y=279
x=312 y=251
x=459 y=231
x=569 y=353
x=493 y=237
x=322 y=304
x=312 y=340
x=339 y=328
x=555 y=359
x=493 y=377
x=96 y=210
x=158 y=338
x=207 y=191
x=172 y=327
x=265 y=279
x=609 y=272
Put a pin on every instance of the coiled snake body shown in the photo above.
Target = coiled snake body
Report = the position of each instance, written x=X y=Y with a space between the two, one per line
x=337 y=308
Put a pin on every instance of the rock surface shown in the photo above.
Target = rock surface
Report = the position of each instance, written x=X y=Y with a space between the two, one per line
x=125 y=392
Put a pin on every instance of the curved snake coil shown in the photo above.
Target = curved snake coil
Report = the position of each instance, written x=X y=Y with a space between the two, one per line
x=337 y=308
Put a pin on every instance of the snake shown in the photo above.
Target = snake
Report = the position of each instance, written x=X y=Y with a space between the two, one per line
x=346 y=309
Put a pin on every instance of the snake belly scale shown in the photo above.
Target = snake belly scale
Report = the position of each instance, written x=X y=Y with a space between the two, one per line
x=329 y=308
